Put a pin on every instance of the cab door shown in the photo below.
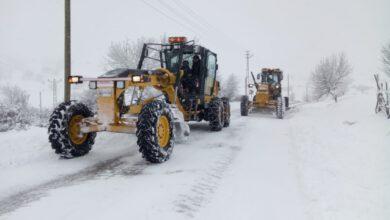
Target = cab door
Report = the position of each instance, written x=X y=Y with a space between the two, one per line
x=211 y=66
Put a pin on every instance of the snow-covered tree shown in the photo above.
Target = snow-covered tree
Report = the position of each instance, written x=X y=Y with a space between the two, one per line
x=386 y=58
x=229 y=88
x=126 y=54
x=331 y=77
x=13 y=95
x=14 y=109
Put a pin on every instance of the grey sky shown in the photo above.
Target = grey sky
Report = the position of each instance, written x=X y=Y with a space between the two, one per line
x=292 y=35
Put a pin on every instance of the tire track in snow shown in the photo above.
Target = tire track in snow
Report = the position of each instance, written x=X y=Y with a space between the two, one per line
x=200 y=193
x=115 y=166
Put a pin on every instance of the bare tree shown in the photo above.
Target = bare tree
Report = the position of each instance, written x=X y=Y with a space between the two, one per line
x=230 y=87
x=386 y=58
x=331 y=77
x=126 y=54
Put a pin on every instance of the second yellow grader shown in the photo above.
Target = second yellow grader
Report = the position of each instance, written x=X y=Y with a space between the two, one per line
x=268 y=94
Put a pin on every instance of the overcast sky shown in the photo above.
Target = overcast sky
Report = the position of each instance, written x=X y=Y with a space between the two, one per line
x=291 y=34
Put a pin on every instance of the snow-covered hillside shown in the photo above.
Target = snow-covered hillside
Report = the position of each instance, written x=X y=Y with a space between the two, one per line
x=323 y=161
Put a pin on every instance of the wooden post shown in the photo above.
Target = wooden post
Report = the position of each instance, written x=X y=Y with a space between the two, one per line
x=67 y=51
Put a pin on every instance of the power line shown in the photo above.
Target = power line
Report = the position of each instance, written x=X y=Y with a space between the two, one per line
x=197 y=17
x=183 y=24
x=169 y=17
x=181 y=15
x=189 y=24
x=194 y=14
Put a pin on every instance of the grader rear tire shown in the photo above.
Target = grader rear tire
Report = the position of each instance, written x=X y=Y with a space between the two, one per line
x=244 y=107
x=155 y=132
x=64 y=130
x=226 y=107
x=216 y=114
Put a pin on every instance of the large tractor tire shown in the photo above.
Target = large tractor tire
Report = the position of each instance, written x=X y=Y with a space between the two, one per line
x=280 y=108
x=155 y=131
x=216 y=114
x=64 y=130
x=226 y=116
x=244 y=107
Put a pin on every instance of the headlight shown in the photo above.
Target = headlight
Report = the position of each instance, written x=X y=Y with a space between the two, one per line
x=277 y=86
x=136 y=79
x=120 y=84
x=92 y=85
x=75 y=79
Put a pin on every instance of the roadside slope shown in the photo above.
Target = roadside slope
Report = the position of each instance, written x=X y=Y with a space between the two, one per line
x=326 y=160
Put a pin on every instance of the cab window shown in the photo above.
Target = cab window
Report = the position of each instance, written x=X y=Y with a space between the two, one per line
x=211 y=72
x=172 y=60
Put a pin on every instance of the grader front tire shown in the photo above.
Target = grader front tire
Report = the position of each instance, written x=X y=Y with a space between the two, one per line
x=64 y=130
x=155 y=132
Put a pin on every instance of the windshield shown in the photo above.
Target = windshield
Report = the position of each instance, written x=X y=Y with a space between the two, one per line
x=172 y=60
x=269 y=78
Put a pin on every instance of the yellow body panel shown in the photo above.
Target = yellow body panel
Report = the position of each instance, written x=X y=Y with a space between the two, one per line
x=108 y=116
x=135 y=109
x=119 y=128
x=263 y=97
x=106 y=109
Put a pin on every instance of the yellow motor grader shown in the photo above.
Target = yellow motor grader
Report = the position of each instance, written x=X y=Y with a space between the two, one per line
x=155 y=105
x=268 y=93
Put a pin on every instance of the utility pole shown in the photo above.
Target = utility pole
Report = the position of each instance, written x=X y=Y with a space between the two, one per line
x=247 y=57
x=53 y=85
x=67 y=51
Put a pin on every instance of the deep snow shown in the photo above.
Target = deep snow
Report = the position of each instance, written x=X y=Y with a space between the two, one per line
x=323 y=161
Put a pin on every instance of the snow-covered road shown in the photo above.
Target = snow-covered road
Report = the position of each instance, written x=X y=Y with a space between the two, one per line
x=323 y=161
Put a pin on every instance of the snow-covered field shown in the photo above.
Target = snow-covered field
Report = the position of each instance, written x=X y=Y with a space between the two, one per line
x=323 y=161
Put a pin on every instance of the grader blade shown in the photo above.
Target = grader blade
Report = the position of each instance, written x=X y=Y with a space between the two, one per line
x=181 y=128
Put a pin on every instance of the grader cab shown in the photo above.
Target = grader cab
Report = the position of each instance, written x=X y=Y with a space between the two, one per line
x=268 y=94
x=153 y=104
